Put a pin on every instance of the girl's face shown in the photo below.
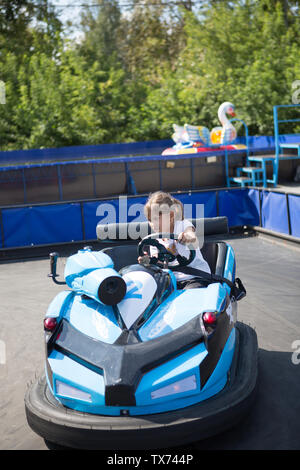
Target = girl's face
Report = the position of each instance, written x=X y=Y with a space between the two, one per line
x=162 y=222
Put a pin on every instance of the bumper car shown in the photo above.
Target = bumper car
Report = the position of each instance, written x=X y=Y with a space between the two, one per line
x=133 y=362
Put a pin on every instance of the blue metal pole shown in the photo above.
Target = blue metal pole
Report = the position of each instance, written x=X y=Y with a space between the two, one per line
x=131 y=189
x=24 y=185
x=246 y=137
x=226 y=168
x=276 y=135
x=59 y=183
x=192 y=173
x=94 y=179
x=2 y=229
x=160 y=175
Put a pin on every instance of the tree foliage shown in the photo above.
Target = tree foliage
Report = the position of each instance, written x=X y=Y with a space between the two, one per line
x=137 y=71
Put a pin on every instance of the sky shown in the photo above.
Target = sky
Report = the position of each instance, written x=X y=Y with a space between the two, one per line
x=70 y=13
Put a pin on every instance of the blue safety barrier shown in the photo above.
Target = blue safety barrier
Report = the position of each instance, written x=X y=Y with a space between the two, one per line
x=76 y=221
x=110 y=211
x=75 y=153
x=240 y=206
x=274 y=214
x=207 y=198
x=38 y=225
x=83 y=151
x=50 y=175
x=281 y=143
x=294 y=211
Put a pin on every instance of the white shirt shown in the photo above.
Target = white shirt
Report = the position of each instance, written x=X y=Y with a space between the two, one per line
x=178 y=248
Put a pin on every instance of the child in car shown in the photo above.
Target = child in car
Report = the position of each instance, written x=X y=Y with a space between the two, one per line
x=165 y=215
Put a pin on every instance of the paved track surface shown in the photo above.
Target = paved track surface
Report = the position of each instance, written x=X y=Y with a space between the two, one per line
x=271 y=274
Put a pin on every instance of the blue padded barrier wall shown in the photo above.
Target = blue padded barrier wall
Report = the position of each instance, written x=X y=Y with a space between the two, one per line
x=38 y=225
x=294 y=205
x=67 y=222
x=107 y=150
x=241 y=206
x=83 y=151
x=16 y=227
x=274 y=214
x=108 y=211
x=208 y=198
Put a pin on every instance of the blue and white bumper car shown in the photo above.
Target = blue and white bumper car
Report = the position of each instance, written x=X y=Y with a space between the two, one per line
x=134 y=363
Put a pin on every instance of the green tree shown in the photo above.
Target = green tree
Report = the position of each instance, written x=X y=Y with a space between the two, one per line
x=135 y=74
x=237 y=51
x=101 y=27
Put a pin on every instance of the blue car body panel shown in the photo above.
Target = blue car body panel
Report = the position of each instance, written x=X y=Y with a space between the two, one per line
x=180 y=307
x=77 y=375
x=93 y=319
x=229 y=269
x=58 y=305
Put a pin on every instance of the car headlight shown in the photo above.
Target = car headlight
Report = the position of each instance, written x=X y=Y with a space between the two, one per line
x=181 y=386
x=67 y=391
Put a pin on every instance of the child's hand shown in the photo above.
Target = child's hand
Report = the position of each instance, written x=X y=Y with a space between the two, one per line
x=145 y=260
x=187 y=238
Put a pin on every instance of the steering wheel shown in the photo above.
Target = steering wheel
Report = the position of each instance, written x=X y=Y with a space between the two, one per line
x=164 y=255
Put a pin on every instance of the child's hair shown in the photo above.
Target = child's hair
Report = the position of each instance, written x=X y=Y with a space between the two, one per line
x=164 y=202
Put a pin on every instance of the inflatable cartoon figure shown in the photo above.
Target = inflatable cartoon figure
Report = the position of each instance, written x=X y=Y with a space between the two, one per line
x=193 y=139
